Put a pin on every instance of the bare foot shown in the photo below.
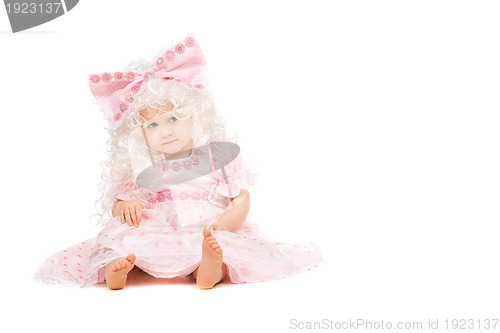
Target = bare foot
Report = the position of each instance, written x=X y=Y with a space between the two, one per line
x=117 y=270
x=210 y=271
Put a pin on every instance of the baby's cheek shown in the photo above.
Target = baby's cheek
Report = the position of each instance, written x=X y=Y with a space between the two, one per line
x=152 y=141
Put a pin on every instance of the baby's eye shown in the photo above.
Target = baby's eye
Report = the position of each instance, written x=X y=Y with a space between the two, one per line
x=152 y=125
x=172 y=119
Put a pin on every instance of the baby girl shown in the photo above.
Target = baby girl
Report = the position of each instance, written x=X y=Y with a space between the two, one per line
x=175 y=191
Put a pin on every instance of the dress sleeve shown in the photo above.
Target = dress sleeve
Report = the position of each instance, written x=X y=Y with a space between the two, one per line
x=122 y=197
x=125 y=192
x=233 y=177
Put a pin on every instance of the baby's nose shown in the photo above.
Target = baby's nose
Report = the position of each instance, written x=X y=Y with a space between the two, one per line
x=166 y=132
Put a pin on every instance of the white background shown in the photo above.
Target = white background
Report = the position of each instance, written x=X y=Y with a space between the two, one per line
x=373 y=126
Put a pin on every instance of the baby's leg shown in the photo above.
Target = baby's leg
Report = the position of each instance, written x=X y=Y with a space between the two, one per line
x=117 y=270
x=211 y=270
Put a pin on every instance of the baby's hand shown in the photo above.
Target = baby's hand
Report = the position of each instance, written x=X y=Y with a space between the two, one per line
x=130 y=211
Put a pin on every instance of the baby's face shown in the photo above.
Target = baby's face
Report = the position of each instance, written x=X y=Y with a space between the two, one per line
x=164 y=132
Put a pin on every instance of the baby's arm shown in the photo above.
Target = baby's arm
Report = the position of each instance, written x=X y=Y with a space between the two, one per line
x=235 y=214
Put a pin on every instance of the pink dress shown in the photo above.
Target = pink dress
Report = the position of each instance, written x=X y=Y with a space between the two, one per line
x=168 y=242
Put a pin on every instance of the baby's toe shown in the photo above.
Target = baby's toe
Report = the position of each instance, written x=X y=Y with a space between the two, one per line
x=216 y=248
x=131 y=258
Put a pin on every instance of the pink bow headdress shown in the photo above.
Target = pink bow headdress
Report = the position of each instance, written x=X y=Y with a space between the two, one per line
x=116 y=93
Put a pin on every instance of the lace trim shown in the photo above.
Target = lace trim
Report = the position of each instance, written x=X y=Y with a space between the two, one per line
x=169 y=195
x=186 y=164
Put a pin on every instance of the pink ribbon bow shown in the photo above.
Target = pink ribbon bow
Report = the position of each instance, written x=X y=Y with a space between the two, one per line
x=115 y=93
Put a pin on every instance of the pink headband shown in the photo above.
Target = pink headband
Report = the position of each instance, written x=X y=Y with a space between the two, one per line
x=115 y=93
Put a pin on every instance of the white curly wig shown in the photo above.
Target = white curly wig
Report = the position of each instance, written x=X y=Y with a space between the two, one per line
x=126 y=146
